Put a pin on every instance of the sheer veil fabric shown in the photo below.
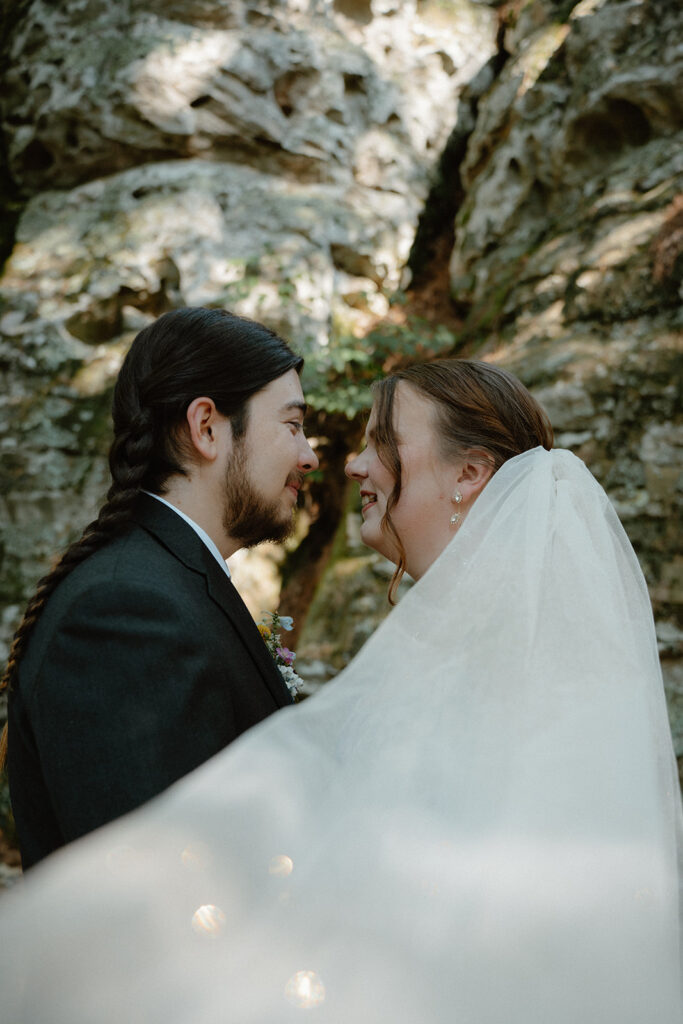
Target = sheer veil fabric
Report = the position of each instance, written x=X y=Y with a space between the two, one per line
x=478 y=821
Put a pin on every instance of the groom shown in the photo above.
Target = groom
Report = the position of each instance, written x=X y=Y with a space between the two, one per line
x=137 y=659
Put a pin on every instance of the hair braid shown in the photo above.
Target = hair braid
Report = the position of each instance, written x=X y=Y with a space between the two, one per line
x=184 y=354
x=129 y=458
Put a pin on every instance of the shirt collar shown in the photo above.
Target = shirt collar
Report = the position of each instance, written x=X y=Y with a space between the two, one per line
x=202 y=534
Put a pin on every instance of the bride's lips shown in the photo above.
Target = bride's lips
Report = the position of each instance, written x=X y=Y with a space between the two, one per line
x=370 y=502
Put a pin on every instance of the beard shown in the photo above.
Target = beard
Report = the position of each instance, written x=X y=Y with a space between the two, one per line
x=248 y=516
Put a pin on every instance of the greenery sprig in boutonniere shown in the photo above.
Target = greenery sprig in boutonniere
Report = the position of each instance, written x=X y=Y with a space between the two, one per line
x=269 y=627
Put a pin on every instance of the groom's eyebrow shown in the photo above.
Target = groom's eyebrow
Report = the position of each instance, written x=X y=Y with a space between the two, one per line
x=294 y=405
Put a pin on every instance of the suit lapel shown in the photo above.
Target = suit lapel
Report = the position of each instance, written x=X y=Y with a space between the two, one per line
x=181 y=541
x=223 y=592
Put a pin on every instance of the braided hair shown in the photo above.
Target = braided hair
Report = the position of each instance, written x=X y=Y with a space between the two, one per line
x=183 y=355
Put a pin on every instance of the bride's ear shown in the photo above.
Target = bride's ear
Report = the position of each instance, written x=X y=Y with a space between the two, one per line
x=475 y=471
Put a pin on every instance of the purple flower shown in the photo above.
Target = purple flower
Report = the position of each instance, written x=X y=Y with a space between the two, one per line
x=285 y=654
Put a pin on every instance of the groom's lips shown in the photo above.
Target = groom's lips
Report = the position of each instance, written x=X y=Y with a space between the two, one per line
x=294 y=484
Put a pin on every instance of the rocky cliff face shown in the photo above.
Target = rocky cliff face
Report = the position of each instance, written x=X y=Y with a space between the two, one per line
x=272 y=158
x=565 y=179
x=277 y=158
x=568 y=257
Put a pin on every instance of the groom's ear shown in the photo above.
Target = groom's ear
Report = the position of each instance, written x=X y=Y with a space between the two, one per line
x=474 y=472
x=204 y=428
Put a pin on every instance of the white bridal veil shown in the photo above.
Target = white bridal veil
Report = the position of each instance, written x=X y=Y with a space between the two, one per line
x=477 y=822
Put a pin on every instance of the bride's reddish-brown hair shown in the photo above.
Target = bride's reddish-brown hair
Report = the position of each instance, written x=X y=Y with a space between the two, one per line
x=478 y=408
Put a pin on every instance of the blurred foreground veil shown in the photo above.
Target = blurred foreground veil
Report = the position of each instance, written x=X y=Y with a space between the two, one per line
x=477 y=822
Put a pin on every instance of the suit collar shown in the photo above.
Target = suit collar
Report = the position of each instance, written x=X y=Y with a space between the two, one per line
x=201 y=533
x=173 y=532
x=178 y=537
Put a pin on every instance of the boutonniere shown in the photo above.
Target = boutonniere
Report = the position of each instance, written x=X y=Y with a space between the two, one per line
x=269 y=627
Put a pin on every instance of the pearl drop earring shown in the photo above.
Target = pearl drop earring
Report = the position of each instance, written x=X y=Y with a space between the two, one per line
x=457 y=516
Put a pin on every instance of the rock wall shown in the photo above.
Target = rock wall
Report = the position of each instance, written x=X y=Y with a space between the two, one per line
x=270 y=157
x=279 y=158
x=568 y=258
x=564 y=174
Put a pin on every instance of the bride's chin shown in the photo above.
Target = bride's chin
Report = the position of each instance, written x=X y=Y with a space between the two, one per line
x=371 y=538
x=378 y=543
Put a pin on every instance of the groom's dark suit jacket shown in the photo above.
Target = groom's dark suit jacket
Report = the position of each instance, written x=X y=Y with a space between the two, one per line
x=144 y=663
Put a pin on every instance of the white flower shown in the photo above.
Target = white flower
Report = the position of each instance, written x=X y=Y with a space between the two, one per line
x=269 y=628
x=294 y=682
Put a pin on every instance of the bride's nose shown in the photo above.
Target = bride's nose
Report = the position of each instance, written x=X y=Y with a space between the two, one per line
x=355 y=468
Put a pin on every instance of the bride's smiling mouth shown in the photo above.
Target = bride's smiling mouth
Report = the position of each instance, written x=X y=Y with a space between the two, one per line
x=367 y=500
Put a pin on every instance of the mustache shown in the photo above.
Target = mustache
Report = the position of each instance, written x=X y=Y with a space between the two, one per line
x=296 y=478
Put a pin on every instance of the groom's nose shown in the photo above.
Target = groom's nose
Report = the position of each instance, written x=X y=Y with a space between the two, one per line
x=308 y=460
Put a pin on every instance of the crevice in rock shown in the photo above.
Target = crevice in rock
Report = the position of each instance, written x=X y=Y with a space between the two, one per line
x=12 y=205
x=36 y=157
x=433 y=244
x=355 y=263
x=356 y=10
x=103 y=321
x=354 y=84
x=604 y=133
x=291 y=88
x=12 y=199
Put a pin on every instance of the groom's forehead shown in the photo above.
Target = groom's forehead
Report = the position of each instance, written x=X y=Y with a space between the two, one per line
x=281 y=395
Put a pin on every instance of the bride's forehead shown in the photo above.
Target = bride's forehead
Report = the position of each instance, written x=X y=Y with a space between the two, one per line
x=412 y=413
x=413 y=410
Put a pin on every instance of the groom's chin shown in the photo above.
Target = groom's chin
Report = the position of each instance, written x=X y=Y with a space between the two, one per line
x=276 y=531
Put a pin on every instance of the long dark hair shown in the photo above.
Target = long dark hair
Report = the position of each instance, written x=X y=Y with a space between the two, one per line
x=479 y=407
x=185 y=354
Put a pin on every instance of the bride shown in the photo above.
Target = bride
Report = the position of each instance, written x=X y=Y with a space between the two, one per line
x=478 y=821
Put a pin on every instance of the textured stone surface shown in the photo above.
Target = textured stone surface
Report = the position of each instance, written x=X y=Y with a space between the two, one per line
x=322 y=90
x=568 y=258
x=274 y=157
x=267 y=157
x=567 y=267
